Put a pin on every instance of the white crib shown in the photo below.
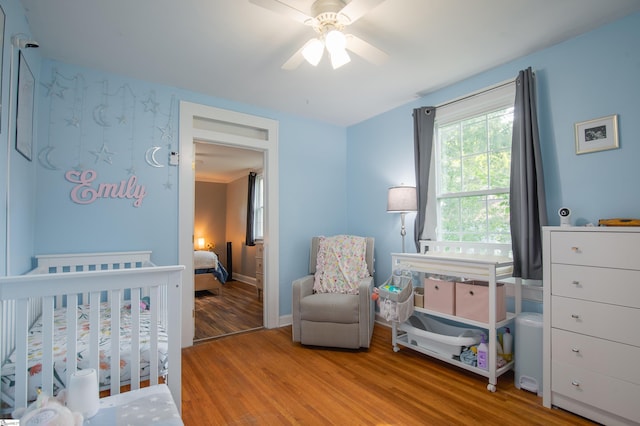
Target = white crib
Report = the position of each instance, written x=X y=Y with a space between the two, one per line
x=90 y=279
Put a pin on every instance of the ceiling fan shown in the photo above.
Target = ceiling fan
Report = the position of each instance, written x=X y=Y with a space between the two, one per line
x=329 y=18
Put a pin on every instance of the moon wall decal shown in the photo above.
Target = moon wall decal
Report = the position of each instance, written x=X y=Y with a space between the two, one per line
x=98 y=116
x=150 y=156
x=44 y=158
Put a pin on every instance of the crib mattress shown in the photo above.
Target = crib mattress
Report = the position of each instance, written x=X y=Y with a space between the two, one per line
x=60 y=350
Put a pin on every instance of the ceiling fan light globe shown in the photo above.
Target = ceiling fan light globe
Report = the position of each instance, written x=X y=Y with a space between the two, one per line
x=313 y=51
x=335 y=41
x=339 y=58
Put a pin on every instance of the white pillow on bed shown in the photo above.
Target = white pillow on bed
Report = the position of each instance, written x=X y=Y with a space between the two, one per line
x=204 y=259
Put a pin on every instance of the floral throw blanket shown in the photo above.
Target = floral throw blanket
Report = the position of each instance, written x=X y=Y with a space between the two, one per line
x=340 y=264
x=60 y=350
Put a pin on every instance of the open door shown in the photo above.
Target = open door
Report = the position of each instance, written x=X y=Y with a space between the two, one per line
x=209 y=124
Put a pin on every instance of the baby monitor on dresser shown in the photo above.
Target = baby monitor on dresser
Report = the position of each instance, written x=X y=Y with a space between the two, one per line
x=564 y=214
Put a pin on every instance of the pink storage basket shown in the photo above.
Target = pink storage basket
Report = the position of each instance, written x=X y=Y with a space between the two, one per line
x=472 y=301
x=440 y=295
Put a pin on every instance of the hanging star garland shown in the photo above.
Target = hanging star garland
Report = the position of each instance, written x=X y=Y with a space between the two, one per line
x=166 y=132
x=54 y=88
x=103 y=154
x=150 y=105
x=73 y=121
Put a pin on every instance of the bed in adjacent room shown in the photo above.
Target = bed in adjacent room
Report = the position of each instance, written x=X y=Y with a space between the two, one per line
x=209 y=272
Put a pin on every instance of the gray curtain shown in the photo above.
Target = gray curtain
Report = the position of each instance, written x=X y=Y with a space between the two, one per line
x=527 y=198
x=423 y=120
x=251 y=191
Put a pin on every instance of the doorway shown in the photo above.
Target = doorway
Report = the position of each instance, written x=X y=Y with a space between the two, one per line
x=231 y=302
x=208 y=124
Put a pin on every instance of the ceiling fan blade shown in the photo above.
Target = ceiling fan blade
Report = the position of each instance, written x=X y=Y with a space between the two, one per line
x=356 y=9
x=294 y=61
x=365 y=50
x=284 y=9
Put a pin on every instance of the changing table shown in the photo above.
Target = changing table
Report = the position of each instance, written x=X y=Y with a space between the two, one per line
x=486 y=262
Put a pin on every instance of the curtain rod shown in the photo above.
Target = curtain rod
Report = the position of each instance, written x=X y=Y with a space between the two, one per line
x=497 y=86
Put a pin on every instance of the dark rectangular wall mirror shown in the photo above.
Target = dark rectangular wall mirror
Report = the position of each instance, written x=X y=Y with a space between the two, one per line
x=2 y=18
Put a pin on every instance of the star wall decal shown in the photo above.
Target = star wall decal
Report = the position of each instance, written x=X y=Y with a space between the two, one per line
x=73 y=121
x=166 y=132
x=54 y=88
x=103 y=154
x=150 y=104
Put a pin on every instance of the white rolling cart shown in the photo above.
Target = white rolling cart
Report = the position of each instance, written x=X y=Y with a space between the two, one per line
x=485 y=262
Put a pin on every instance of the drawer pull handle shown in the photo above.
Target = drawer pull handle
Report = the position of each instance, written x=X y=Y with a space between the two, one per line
x=437 y=288
x=575 y=383
x=575 y=249
x=575 y=316
x=576 y=350
x=471 y=292
x=576 y=283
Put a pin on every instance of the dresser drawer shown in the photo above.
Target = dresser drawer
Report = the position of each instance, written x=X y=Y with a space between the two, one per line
x=259 y=265
x=259 y=250
x=617 y=323
x=608 y=249
x=598 y=355
x=609 y=394
x=615 y=286
x=259 y=281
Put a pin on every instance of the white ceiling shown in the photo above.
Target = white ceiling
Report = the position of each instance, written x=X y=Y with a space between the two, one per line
x=233 y=49
x=224 y=164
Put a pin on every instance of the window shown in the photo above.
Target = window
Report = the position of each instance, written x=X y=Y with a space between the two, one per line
x=473 y=161
x=258 y=208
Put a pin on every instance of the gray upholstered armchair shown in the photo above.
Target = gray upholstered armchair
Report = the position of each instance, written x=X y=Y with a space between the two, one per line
x=333 y=319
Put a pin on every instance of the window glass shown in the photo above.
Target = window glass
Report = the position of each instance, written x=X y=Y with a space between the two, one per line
x=473 y=160
x=258 y=208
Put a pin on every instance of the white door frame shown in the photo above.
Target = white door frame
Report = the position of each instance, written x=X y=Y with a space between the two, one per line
x=205 y=123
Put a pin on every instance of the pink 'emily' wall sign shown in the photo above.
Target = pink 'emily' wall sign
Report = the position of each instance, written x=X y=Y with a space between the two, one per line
x=84 y=193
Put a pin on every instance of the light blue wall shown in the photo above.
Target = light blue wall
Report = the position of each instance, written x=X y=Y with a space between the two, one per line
x=125 y=118
x=590 y=76
x=17 y=174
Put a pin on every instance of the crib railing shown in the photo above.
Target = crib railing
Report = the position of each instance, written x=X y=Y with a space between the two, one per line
x=64 y=263
x=56 y=263
x=26 y=297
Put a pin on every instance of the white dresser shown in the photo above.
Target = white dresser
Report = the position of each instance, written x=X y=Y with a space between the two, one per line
x=591 y=362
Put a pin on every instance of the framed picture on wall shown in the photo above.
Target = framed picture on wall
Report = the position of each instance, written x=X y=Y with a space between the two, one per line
x=599 y=134
x=24 y=111
x=2 y=19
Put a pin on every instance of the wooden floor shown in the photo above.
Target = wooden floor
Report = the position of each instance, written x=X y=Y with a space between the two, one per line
x=263 y=378
x=236 y=309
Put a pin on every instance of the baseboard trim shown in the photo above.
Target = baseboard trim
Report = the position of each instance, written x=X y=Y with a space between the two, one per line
x=245 y=279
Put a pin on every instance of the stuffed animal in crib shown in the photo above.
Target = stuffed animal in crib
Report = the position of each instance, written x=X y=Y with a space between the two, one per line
x=48 y=411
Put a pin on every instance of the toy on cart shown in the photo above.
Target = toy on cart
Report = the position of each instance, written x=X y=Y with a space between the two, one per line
x=395 y=297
